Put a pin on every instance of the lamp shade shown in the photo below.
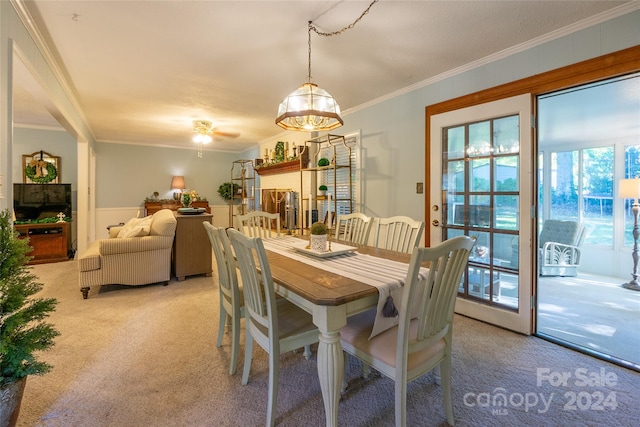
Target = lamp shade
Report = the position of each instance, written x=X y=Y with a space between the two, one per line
x=629 y=188
x=309 y=108
x=177 y=183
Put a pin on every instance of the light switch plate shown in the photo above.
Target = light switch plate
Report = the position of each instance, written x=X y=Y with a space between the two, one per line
x=420 y=188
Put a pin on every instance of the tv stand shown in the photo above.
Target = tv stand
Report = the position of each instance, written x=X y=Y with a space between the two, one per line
x=50 y=241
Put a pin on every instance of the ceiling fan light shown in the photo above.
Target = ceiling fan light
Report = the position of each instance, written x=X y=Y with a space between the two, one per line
x=309 y=108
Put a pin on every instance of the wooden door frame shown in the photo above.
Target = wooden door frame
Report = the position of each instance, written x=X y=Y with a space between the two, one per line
x=618 y=63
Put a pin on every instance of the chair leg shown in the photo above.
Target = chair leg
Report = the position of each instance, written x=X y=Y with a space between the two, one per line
x=307 y=352
x=436 y=375
x=248 y=350
x=85 y=292
x=221 y=324
x=445 y=370
x=235 y=342
x=366 y=370
x=343 y=388
x=401 y=401
x=274 y=375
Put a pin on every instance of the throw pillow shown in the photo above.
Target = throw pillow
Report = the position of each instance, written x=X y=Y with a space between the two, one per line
x=136 y=227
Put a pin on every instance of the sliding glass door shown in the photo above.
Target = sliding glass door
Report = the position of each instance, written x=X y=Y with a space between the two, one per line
x=588 y=140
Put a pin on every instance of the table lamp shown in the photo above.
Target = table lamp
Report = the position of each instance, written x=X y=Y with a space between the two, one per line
x=177 y=183
x=630 y=189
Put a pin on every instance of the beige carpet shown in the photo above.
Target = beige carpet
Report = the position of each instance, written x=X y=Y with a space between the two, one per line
x=146 y=356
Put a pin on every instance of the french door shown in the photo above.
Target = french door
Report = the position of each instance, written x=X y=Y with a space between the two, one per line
x=481 y=186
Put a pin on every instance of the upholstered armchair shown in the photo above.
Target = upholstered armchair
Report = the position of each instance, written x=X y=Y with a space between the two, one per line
x=559 y=247
x=143 y=258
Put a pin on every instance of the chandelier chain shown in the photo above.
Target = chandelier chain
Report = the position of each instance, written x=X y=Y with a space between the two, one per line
x=348 y=27
x=332 y=33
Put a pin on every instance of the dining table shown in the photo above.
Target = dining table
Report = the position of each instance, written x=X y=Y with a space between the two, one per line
x=330 y=293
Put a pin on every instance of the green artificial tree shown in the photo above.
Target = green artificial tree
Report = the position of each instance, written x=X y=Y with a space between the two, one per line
x=23 y=331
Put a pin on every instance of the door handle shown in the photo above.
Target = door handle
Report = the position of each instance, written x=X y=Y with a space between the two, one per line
x=435 y=223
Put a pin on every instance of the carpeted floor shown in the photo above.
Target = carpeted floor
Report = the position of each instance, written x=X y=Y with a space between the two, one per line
x=146 y=356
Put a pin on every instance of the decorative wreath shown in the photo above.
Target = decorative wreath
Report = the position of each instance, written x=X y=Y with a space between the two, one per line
x=40 y=171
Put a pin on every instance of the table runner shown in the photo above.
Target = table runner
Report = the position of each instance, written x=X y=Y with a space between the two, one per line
x=386 y=275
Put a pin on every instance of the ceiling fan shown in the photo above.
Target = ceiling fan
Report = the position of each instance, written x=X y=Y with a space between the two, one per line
x=203 y=132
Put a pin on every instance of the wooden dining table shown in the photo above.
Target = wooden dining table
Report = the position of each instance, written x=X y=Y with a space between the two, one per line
x=330 y=298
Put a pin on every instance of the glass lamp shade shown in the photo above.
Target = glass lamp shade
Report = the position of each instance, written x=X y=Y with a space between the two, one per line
x=202 y=138
x=309 y=108
x=629 y=189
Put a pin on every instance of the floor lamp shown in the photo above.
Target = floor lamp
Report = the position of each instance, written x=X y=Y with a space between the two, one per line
x=630 y=189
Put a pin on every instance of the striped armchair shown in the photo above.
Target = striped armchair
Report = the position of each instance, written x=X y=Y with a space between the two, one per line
x=131 y=260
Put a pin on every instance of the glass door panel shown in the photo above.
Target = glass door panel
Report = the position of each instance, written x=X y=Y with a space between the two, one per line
x=479 y=194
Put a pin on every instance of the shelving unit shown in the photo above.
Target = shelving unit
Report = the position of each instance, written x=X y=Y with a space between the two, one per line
x=243 y=174
x=339 y=196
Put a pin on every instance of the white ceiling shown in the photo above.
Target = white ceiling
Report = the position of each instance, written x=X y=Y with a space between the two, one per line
x=142 y=71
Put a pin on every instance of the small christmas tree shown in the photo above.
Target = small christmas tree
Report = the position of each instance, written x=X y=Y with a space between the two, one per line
x=22 y=329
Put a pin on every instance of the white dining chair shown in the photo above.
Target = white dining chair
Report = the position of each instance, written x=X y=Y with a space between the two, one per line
x=231 y=296
x=422 y=339
x=397 y=233
x=260 y=224
x=277 y=325
x=353 y=228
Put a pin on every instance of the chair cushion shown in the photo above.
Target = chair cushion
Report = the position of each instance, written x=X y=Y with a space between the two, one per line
x=565 y=232
x=136 y=227
x=383 y=346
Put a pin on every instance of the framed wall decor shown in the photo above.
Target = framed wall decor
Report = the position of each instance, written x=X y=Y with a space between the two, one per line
x=40 y=168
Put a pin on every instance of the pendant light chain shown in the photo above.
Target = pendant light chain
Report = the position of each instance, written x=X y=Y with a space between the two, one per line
x=348 y=27
x=311 y=108
x=333 y=33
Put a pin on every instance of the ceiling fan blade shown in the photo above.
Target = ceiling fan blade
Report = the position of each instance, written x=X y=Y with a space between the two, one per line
x=226 y=134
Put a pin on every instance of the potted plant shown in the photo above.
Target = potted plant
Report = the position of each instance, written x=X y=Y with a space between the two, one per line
x=322 y=190
x=323 y=162
x=227 y=190
x=23 y=331
x=318 y=237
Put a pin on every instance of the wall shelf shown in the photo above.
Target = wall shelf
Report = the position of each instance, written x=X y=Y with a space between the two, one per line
x=283 y=167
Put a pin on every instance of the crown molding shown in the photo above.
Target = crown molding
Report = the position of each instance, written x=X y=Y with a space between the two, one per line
x=553 y=35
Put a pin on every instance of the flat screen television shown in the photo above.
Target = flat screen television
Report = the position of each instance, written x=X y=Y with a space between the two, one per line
x=37 y=201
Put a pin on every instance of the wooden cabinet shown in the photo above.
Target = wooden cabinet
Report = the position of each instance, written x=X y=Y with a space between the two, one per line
x=152 y=207
x=191 y=248
x=50 y=241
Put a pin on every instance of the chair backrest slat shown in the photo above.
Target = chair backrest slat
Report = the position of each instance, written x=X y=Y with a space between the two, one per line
x=260 y=224
x=353 y=227
x=448 y=261
x=398 y=233
x=257 y=282
x=225 y=262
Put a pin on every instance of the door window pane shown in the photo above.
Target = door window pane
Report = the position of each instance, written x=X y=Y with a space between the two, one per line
x=597 y=194
x=564 y=185
x=482 y=193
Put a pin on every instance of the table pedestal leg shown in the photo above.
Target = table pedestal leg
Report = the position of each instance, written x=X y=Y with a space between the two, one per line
x=329 y=320
x=330 y=373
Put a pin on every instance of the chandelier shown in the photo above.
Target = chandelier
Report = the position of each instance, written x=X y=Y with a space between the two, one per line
x=311 y=108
